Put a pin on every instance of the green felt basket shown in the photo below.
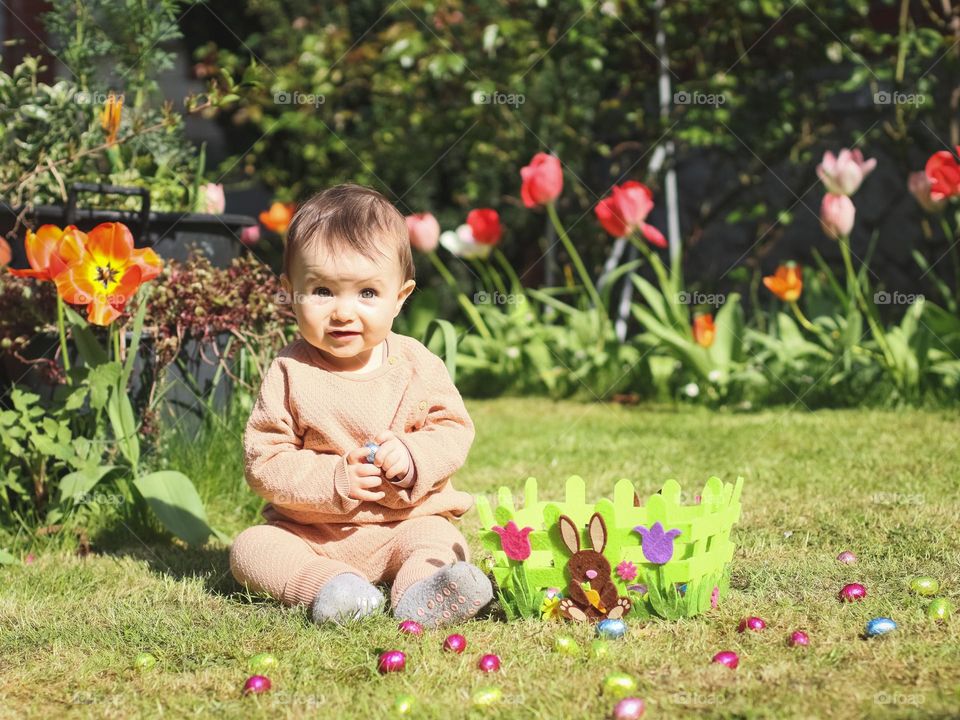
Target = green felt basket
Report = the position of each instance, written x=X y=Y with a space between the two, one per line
x=696 y=577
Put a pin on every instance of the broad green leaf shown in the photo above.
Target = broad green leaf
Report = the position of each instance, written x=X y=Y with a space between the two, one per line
x=173 y=498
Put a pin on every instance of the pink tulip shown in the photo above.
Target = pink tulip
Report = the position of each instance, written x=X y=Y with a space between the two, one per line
x=626 y=210
x=424 y=232
x=542 y=180
x=837 y=214
x=843 y=174
x=212 y=199
x=919 y=186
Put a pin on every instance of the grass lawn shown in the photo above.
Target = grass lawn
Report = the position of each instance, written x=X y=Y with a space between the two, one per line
x=882 y=484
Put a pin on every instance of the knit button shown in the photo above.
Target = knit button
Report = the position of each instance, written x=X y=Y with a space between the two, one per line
x=423 y=405
x=392 y=361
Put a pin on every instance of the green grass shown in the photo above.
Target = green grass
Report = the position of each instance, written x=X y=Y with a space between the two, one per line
x=883 y=484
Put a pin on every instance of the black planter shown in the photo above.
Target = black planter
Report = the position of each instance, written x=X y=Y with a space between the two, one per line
x=170 y=234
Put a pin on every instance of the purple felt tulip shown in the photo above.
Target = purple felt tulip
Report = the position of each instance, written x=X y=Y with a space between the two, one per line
x=657 y=544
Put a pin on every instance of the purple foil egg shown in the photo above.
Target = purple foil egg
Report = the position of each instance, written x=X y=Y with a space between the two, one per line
x=847 y=558
x=411 y=627
x=728 y=658
x=751 y=623
x=392 y=661
x=852 y=592
x=630 y=708
x=489 y=663
x=256 y=684
x=798 y=638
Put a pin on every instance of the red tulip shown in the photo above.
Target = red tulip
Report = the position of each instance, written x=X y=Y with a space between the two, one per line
x=943 y=172
x=837 y=214
x=542 y=180
x=514 y=541
x=704 y=331
x=485 y=225
x=626 y=210
x=424 y=232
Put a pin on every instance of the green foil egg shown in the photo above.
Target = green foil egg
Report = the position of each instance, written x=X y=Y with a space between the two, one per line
x=487 y=696
x=619 y=685
x=262 y=661
x=404 y=705
x=599 y=649
x=144 y=661
x=940 y=609
x=566 y=645
x=925 y=585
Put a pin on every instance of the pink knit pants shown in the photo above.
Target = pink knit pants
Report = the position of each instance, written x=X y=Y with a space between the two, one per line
x=292 y=561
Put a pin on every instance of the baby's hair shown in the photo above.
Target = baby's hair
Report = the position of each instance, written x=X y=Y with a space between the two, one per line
x=349 y=217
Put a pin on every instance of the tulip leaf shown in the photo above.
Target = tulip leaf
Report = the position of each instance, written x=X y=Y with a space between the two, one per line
x=176 y=503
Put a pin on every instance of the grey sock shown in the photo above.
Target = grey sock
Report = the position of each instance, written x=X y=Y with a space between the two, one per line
x=345 y=597
x=453 y=593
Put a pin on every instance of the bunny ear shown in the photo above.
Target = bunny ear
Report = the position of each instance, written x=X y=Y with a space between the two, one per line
x=598 y=532
x=569 y=534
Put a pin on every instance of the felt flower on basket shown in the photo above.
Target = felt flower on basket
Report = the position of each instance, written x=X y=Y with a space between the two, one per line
x=657 y=545
x=514 y=541
x=550 y=607
x=626 y=571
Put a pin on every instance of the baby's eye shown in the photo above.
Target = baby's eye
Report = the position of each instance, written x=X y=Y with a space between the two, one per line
x=321 y=291
x=368 y=293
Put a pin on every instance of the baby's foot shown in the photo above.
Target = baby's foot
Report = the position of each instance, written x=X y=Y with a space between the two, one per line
x=454 y=593
x=345 y=597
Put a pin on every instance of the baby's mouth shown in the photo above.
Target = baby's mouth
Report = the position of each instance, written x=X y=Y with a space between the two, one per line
x=340 y=334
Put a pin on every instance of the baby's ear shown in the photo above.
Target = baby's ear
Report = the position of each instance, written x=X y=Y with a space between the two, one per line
x=404 y=293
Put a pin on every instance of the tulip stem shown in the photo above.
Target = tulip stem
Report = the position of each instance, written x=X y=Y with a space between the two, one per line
x=64 y=350
x=802 y=319
x=854 y=283
x=508 y=269
x=575 y=258
x=468 y=307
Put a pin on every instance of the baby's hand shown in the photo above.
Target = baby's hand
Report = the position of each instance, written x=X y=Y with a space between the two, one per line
x=362 y=476
x=392 y=457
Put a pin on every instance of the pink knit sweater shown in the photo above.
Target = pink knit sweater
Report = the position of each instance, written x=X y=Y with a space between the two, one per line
x=308 y=417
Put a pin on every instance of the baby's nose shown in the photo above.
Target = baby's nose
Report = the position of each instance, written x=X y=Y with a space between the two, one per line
x=591 y=574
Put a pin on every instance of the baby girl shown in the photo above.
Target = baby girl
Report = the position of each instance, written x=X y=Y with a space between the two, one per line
x=356 y=433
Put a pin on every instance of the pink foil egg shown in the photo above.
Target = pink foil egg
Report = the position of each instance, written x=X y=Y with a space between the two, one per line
x=411 y=627
x=852 y=592
x=630 y=708
x=256 y=684
x=798 y=638
x=847 y=558
x=489 y=663
x=455 y=643
x=392 y=661
x=751 y=623
x=728 y=658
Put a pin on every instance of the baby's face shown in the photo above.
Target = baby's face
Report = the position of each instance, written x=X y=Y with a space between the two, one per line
x=345 y=303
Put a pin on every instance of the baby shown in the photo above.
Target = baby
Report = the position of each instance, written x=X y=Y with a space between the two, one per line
x=356 y=433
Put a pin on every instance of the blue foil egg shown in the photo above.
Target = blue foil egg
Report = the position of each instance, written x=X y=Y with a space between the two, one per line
x=611 y=629
x=880 y=626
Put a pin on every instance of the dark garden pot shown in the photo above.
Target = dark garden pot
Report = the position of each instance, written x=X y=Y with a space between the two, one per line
x=170 y=234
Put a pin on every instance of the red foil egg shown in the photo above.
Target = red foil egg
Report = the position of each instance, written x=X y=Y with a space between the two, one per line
x=751 y=623
x=798 y=638
x=392 y=661
x=455 y=643
x=728 y=658
x=411 y=627
x=489 y=663
x=852 y=592
x=256 y=684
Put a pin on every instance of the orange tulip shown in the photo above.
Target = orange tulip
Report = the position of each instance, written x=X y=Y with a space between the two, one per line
x=107 y=273
x=786 y=283
x=49 y=251
x=704 y=331
x=110 y=117
x=5 y=253
x=278 y=217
